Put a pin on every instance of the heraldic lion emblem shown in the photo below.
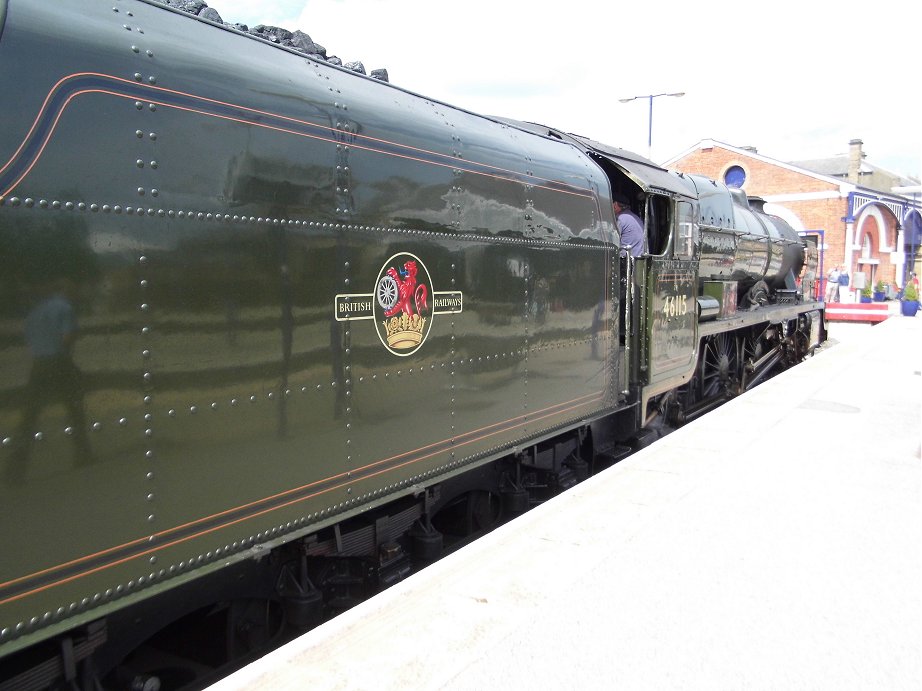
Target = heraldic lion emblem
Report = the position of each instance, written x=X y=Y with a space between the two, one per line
x=399 y=292
x=403 y=295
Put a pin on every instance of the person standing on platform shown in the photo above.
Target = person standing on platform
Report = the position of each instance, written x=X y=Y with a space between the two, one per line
x=843 y=283
x=832 y=285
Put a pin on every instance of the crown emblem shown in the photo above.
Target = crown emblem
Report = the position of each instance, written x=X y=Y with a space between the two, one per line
x=402 y=298
x=402 y=306
x=404 y=331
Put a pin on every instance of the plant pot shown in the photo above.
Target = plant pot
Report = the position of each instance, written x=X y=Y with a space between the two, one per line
x=879 y=297
x=865 y=299
x=909 y=307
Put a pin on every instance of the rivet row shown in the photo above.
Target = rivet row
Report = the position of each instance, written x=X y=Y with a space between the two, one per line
x=324 y=225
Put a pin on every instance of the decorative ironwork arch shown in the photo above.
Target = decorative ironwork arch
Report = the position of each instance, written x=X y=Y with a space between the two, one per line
x=887 y=241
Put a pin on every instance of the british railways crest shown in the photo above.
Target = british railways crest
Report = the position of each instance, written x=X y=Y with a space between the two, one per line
x=402 y=306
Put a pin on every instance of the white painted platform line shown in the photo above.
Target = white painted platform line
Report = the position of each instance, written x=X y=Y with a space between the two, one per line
x=774 y=544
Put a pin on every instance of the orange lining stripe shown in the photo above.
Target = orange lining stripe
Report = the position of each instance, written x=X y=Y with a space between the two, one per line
x=580 y=191
x=554 y=410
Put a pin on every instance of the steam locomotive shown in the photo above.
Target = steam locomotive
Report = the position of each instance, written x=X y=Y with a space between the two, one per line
x=274 y=334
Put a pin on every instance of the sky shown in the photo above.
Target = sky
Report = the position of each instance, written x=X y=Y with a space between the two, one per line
x=797 y=79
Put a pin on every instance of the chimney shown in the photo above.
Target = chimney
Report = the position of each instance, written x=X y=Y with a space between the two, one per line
x=854 y=160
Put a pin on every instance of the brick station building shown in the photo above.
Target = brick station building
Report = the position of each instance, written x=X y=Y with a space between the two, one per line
x=865 y=218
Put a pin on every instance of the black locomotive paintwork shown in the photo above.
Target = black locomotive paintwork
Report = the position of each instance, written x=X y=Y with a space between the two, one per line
x=206 y=203
x=741 y=243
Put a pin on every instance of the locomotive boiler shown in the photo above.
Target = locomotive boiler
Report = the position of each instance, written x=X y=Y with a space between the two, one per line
x=743 y=244
x=274 y=334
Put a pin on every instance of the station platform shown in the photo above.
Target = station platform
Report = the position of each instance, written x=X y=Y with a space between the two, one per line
x=775 y=543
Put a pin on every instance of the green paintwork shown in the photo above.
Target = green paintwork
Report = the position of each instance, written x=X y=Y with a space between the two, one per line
x=201 y=221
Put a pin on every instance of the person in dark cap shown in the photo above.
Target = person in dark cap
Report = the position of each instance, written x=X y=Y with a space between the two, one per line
x=630 y=226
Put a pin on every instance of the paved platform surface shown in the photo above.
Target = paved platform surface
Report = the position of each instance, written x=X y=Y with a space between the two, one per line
x=774 y=544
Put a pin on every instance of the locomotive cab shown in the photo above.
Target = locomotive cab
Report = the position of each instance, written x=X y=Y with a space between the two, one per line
x=660 y=307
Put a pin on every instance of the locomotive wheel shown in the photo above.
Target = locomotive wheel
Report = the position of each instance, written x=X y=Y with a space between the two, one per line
x=761 y=353
x=799 y=347
x=717 y=378
x=719 y=371
x=752 y=347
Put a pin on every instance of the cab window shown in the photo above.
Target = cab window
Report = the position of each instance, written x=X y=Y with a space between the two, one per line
x=686 y=231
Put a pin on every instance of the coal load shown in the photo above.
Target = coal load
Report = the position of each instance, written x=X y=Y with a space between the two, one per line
x=294 y=40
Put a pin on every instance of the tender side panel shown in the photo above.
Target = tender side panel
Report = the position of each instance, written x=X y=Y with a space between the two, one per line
x=72 y=419
x=222 y=250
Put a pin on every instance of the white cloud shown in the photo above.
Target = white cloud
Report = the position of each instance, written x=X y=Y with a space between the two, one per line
x=795 y=79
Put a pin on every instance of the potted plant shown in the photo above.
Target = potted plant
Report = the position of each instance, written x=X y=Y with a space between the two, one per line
x=909 y=304
x=880 y=293
x=866 y=294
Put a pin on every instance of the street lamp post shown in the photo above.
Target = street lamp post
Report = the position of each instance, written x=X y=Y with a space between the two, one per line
x=650 y=97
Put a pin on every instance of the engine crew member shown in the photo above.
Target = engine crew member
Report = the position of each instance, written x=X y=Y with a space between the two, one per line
x=629 y=225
